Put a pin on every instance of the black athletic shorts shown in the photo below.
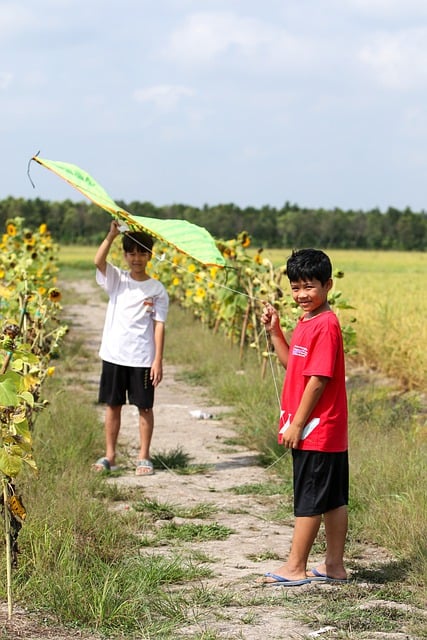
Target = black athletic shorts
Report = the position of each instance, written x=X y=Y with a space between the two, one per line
x=321 y=481
x=118 y=380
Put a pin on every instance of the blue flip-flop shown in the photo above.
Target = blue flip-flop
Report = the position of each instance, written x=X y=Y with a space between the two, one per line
x=102 y=464
x=283 y=582
x=322 y=577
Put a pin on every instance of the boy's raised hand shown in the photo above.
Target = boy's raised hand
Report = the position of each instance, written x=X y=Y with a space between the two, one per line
x=114 y=228
x=270 y=318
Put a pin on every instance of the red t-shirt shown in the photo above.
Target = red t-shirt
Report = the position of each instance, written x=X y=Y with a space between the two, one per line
x=316 y=349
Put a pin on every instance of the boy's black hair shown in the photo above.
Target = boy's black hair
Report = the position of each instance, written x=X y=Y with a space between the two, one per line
x=306 y=264
x=137 y=241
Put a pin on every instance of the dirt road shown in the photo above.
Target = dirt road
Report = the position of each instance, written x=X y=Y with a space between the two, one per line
x=205 y=441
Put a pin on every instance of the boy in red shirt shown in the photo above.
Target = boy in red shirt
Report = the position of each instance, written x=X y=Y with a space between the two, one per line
x=313 y=421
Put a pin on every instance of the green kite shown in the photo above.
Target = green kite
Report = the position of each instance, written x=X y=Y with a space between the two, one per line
x=186 y=237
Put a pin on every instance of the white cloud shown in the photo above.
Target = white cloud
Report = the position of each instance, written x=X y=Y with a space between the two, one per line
x=205 y=37
x=164 y=96
x=398 y=59
x=5 y=79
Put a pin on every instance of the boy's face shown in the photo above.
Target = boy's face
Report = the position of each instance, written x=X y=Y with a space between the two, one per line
x=137 y=260
x=311 y=295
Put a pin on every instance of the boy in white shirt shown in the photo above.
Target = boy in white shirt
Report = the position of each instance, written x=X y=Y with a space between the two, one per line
x=132 y=342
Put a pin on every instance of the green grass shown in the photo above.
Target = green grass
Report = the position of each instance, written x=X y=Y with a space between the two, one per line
x=186 y=532
x=263 y=489
x=165 y=511
x=76 y=560
x=75 y=259
x=178 y=461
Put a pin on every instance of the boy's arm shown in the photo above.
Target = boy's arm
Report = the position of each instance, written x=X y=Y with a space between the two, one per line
x=271 y=322
x=159 y=341
x=311 y=396
x=105 y=246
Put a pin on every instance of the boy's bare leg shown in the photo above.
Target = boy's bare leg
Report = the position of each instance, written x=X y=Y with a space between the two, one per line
x=336 y=524
x=305 y=532
x=146 y=424
x=112 y=428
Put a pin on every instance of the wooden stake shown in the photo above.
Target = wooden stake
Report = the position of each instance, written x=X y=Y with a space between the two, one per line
x=8 y=549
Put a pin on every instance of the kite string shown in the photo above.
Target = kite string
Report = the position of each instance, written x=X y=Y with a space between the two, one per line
x=203 y=276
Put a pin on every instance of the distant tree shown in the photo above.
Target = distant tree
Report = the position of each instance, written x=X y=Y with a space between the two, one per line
x=290 y=226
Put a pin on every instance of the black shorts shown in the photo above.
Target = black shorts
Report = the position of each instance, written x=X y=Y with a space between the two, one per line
x=321 y=481
x=118 y=380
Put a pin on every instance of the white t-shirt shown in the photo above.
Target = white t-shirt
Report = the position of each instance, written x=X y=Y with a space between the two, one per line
x=128 y=336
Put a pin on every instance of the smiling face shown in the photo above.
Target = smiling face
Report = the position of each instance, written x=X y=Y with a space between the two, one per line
x=137 y=262
x=311 y=295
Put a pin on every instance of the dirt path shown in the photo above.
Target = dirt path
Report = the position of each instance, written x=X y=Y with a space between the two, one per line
x=204 y=440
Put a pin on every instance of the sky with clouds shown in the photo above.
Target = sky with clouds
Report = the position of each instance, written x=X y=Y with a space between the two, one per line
x=322 y=103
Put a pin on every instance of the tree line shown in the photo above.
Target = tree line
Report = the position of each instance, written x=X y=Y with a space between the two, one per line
x=290 y=226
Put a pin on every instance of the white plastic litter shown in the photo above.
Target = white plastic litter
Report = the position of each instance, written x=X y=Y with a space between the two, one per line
x=201 y=415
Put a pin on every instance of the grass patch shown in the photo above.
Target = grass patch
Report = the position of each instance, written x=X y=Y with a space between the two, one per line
x=263 y=489
x=389 y=502
x=175 y=459
x=165 y=511
x=187 y=532
x=356 y=613
x=178 y=461
x=265 y=555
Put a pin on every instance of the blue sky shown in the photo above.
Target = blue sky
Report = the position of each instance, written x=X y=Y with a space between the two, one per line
x=318 y=102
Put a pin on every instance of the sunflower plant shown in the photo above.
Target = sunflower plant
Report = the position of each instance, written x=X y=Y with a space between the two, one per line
x=30 y=335
x=231 y=299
